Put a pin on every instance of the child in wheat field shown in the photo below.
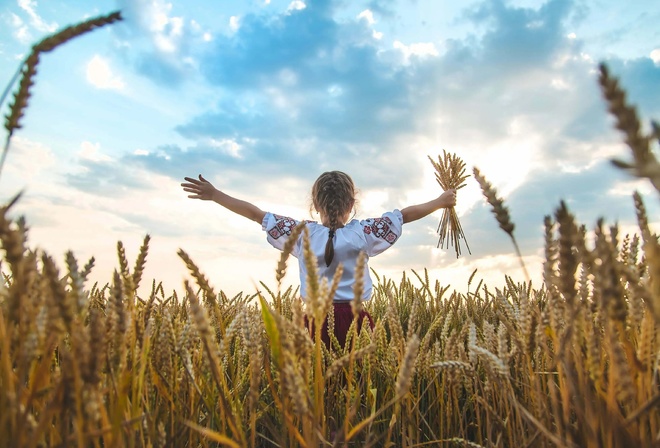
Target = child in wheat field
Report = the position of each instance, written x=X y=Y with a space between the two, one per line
x=337 y=239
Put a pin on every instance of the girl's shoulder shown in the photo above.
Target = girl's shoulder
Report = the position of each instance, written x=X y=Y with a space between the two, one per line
x=394 y=218
x=353 y=224
x=387 y=227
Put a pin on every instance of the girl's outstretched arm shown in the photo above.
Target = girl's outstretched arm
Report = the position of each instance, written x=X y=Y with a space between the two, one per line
x=415 y=212
x=204 y=190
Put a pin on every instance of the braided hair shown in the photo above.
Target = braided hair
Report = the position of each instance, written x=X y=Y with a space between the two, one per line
x=334 y=194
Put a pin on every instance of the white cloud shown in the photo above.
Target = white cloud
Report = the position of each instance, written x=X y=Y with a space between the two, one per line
x=30 y=7
x=197 y=29
x=655 y=55
x=62 y=219
x=16 y=21
x=368 y=16
x=28 y=160
x=534 y=24
x=234 y=24
x=281 y=100
x=335 y=90
x=288 y=77
x=159 y=15
x=296 y=5
x=624 y=187
x=101 y=76
x=21 y=30
x=572 y=36
x=559 y=84
x=168 y=37
x=420 y=49
x=229 y=146
x=92 y=151
x=154 y=17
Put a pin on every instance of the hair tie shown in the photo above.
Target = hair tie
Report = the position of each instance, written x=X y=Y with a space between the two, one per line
x=331 y=233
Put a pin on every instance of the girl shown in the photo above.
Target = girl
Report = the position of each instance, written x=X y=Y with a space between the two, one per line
x=335 y=239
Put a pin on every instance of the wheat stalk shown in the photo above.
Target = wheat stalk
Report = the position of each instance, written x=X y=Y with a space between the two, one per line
x=280 y=271
x=450 y=174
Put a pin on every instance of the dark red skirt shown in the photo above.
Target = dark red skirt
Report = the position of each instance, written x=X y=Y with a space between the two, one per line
x=343 y=321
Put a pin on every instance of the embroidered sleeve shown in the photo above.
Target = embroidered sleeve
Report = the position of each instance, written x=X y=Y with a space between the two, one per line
x=381 y=233
x=278 y=228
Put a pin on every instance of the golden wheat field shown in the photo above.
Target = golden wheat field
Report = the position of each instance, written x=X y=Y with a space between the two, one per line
x=570 y=363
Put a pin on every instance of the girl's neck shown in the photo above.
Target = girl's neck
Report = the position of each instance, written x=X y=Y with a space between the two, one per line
x=326 y=221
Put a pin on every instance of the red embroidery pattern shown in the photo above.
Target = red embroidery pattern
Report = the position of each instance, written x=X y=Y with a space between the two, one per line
x=380 y=227
x=283 y=226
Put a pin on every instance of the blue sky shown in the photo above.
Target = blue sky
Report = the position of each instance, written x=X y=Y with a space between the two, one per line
x=263 y=96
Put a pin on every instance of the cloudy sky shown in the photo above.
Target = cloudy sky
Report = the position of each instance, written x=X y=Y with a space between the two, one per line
x=261 y=96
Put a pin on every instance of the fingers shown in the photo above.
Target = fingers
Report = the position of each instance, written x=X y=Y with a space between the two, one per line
x=200 y=188
x=194 y=186
x=190 y=188
x=192 y=180
x=191 y=183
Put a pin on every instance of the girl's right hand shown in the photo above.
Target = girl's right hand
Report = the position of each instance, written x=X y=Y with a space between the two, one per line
x=201 y=189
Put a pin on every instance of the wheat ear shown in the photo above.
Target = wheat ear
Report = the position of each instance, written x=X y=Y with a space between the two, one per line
x=501 y=213
x=140 y=262
x=644 y=162
x=28 y=70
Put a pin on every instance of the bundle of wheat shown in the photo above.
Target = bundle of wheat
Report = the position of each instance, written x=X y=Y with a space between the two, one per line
x=450 y=174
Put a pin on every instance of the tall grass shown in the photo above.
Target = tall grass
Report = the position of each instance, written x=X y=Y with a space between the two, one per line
x=572 y=363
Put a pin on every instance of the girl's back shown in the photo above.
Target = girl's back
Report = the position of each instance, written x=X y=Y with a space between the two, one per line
x=371 y=236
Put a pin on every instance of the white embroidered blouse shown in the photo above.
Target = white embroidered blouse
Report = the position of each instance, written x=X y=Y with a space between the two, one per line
x=372 y=236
